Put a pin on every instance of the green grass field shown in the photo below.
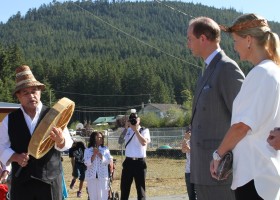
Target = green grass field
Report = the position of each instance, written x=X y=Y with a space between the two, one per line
x=164 y=177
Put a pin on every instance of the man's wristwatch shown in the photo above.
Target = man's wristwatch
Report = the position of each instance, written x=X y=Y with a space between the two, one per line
x=216 y=156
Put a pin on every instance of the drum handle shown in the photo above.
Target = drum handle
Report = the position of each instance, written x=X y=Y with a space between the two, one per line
x=18 y=172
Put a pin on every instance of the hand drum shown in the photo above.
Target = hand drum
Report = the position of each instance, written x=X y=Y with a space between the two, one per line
x=58 y=116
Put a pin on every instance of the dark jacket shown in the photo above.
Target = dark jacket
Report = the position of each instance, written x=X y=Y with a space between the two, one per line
x=46 y=168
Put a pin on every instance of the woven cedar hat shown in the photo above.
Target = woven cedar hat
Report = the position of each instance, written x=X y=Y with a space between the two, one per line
x=25 y=79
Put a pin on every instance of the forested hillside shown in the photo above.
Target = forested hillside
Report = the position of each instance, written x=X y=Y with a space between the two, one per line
x=108 y=56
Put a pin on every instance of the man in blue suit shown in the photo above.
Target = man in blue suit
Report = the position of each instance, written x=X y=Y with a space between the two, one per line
x=216 y=89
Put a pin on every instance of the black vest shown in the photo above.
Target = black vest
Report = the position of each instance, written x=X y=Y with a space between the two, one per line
x=46 y=168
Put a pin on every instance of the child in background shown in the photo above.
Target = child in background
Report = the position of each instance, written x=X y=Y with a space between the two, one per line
x=76 y=153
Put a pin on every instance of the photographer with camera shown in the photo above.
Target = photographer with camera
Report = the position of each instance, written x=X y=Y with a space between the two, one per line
x=134 y=165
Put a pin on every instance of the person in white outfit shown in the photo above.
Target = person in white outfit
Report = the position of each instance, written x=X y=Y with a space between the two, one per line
x=256 y=111
x=97 y=158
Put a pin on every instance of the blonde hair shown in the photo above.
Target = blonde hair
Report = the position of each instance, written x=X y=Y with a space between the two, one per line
x=261 y=32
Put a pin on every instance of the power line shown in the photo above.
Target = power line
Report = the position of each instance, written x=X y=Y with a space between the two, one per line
x=88 y=109
x=103 y=95
x=138 y=40
x=175 y=9
x=100 y=111
x=104 y=108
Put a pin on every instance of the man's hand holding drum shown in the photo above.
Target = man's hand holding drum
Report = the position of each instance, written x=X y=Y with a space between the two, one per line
x=57 y=136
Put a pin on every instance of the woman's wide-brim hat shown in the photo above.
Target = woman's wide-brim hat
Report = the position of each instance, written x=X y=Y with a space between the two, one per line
x=25 y=79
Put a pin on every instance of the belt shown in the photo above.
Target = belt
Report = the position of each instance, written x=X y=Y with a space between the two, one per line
x=132 y=158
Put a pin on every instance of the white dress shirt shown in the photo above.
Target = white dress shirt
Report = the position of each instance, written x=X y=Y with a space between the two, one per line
x=211 y=56
x=6 y=152
x=135 y=149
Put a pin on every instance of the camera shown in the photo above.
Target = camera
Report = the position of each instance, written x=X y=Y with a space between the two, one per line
x=133 y=117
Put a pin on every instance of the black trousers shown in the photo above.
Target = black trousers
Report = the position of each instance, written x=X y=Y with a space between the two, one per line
x=133 y=169
x=34 y=189
x=247 y=191
x=190 y=187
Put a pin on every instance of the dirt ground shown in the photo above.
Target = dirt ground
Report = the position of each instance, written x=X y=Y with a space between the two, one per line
x=164 y=177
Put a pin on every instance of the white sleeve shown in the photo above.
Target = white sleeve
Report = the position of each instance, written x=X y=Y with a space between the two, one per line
x=68 y=140
x=87 y=156
x=106 y=159
x=5 y=150
x=256 y=99
x=146 y=134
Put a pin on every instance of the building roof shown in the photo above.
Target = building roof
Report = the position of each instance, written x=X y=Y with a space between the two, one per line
x=164 y=107
x=9 y=105
x=6 y=108
x=111 y=119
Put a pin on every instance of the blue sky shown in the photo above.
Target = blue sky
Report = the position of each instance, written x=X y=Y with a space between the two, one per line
x=268 y=9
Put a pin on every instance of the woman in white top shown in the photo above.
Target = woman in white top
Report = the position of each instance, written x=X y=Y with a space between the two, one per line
x=97 y=158
x=256 y=111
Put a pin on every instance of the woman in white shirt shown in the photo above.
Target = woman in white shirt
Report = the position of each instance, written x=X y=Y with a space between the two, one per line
x=97 y=158
x=256 y=110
